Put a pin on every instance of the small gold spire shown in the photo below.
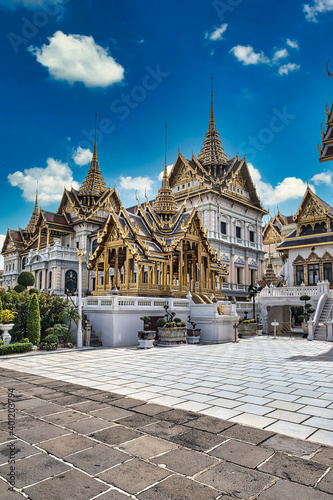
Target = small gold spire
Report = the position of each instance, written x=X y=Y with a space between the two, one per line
x=165 y=181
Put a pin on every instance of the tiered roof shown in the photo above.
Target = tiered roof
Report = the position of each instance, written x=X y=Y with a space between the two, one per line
x=326 y=151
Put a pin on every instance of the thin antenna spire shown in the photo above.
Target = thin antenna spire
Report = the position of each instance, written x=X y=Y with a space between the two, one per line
x=94 y=158
x=212 y=125
x=165 y=182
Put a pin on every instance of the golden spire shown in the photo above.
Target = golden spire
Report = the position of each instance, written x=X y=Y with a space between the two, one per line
x=212 y=124
x=34 y=216
x=93 y=184
x=165 y=180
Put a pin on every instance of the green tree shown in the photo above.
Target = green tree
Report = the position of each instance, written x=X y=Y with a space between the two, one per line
x=26 y=279
x=19 y=288
x=33 y=320
x=1 y=309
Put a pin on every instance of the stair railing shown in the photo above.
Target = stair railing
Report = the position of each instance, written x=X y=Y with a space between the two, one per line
x=319 y=309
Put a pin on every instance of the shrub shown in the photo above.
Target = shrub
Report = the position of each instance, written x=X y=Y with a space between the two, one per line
x=161 y=322
x=51 y=339
x=26 y=278
x=146 y=321
x=15 y=348
x=48 y=347
x=177 y=320
x=1 y=341
x=25 y=341
x=33 y=290
x=7 y=316
x=19 y=288
x=17 y=335
x=61 y=331
x=33 y=320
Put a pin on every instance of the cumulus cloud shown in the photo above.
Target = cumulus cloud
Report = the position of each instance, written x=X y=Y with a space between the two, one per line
x=217 y=33
x=280 y=54
x=246 y=55
x=292 y=43
x=169 y=167
x=290 y=188
x=77 y=58
x=51 y=181
x=323 y=178
x=285 y=69
x=139 y=184
x=317 y=7
x=31 y=4
x=82 y=156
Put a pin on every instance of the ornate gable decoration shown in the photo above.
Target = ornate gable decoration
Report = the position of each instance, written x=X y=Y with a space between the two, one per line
x=313 y=257
x=299 y=260
x=271 y=235
x=311 y=212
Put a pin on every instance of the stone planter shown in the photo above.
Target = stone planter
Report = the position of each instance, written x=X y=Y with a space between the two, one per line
x=6 y=337
x=193 y=335
x=172 y=336
x=247 y=329
x=146 y=339
x=305 y=327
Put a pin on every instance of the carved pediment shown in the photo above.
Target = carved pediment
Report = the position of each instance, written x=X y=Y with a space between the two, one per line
x=182 y=175
x=313 y=257
x=327 y=256
x=312 y=210
x=271 y=235
x=299 y=260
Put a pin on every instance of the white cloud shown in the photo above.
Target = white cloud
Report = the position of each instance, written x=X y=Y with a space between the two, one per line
x=292 y=43
x=51 y=181
x=77 y=58
x=217 y=33
x=285 y=69
x=323 y=178
x=290 y=188
x=169 y=167
x=138 y=184
x=2 y=239
x=318 y=7
x=29 y=4
x=247 y=55
x=280 y=54
x=82 y=156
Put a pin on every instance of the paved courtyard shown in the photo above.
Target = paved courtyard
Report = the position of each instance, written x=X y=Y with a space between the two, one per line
x=281 y=385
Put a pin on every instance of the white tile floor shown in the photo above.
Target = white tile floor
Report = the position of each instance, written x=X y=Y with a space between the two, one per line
x=283 y=385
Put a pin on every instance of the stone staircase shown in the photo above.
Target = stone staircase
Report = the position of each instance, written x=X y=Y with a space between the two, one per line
x=95 y=341
x=320 y=332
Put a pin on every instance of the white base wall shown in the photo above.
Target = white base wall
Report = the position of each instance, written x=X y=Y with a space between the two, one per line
x=215 y=328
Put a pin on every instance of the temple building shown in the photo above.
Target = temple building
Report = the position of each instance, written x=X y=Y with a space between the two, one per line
x=228 y=205
x=307 y=250
x=47 y=246
x=326 y=151
x=160 y=250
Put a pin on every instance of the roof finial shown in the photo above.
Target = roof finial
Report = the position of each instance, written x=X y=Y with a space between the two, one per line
x=94 y=158
x=165 y=182
x=212 y=125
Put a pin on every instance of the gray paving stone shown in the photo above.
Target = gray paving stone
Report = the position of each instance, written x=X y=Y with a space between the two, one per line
x=52 y=395
x=145 y=474
x=164 y=429
x=147 y=446
x=150 y=409
x=97 y=459
x=178 y=416
x=66 y=400
x=179 y=488
x=44 y=409
x=71 y=485
x=64 y=445
x=4 y=437
x=89 y=425
x=293 y=468
x=65 y=417
x=209 y=424
x=113 y=495
x=241 y=453
x=115 y=435
x=128 y=403
x=198 y=440
x=290 y=445
x=186 y=462
x=33 y=469
x=105 y=397
x=237 y=481
x=324 y=456
x=292 y=491
x=41 y=433
x=138 y=420
x=326 y=484
x=7 y=494
x=248 y=434
x=18 y=450
x=88 y=406
x=111 y=413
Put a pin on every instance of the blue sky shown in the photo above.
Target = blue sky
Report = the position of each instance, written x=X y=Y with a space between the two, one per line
x=140 y=64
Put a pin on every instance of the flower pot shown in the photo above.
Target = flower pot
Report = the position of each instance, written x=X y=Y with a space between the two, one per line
x=146 y=339
x=172 y=336
x=305 y=328
x=193 y=335
x=247 y=329
x=259 y=331
x=6 y=337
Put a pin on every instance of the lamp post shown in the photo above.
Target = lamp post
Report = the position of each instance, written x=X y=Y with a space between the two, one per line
x=80 y=254
x=253 y=291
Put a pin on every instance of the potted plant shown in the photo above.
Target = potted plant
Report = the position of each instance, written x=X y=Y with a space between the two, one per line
x=146 y=337
x=192 y=334
x=306 y=313
x=259 y=326
x=171 y=330
x=6 y=318
x=247 y=327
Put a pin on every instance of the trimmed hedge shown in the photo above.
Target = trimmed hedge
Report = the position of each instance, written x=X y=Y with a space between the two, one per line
x=48 y=347
x=15 y=348
x=33 y=320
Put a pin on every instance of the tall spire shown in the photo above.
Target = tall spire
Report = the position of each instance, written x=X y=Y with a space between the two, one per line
x=212 y=152
x=34 y=216
x=165 y=204
x=93 y=184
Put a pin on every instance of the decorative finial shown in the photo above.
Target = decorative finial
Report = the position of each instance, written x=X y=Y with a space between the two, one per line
x=212 y=125
x=165 y=181
x=94 y=158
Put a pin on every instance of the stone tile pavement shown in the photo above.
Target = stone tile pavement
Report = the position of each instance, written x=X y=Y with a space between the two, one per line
x=73 y=442
x=281 y=385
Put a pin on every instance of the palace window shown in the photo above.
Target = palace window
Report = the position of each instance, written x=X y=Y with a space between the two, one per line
x=251 y=234
x=50 y=279
x=327 y=268
x=299 y=275
x=313 y=274
x=223 y=227
x=23 y=262
x=238 y=232
x=239 y=275
x=94 y=246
